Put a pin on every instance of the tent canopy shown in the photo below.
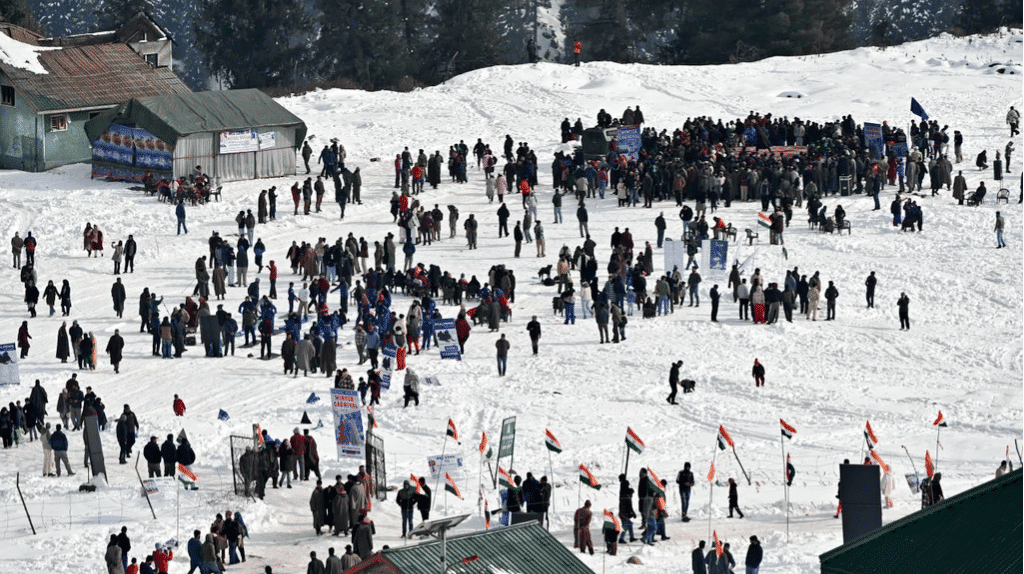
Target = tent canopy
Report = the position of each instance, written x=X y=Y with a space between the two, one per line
x=174 y=116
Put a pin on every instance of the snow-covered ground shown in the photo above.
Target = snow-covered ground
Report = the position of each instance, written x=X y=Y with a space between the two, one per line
x=963 y=354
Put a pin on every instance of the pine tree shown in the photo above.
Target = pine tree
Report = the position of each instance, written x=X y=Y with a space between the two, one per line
x=250 y=44
x=465 y=37
x=17 y=12
x=110 y=14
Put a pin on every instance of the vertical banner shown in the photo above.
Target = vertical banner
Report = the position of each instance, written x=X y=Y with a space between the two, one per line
x=675 y=255
x=507 y=442
x=714 y=257
x=629 y=142
x=873 y=139
x=348 y=423
x=9 y=365
x=446 y=339
x=387 y=366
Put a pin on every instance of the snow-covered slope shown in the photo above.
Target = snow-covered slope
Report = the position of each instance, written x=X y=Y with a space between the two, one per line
x=963 y=354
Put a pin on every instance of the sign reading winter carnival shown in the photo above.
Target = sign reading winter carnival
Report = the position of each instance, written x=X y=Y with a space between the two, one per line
x=873 y=139
x=441 y=465
x=348 y=423
x=9 y=365
x=629 y=142
x=447 y=340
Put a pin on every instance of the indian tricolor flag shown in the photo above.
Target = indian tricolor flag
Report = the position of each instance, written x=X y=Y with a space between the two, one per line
x=711 y=473
x=504 y=478
x=634 y=442
x=719 y=549
x=941 y=421
x=259 y=434
x=483 y=442
x=449 y=485
x=588 y=479
x=869 y=436
x=416 y=482
x=552 y=443
x=877 y=458
x=612 y=520
x=451 y=430
x=763 y=220
x=724 y=438
x=371 y=420
x=787 y=429
x=186 y=475
x=655 y=483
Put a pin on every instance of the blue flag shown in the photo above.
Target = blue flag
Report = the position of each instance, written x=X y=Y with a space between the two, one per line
x=223 y=415
x=312 y=398
x=917 y=110
x=319 y=424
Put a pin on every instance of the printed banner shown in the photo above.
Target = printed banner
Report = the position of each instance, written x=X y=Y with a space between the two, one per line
x=447 y=464
x=9 y=365
x=714 y=256
x=387 y=366
x=629 y=142
x=447 y=339
x=268 y=140
x=873 y=139
x=914 y=483
x=507 y=442
x=675 y=255
x=348 y=423
x=239 y=141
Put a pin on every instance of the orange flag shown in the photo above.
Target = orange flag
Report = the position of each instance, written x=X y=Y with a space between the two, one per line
x=929 y=466
x=711 y=473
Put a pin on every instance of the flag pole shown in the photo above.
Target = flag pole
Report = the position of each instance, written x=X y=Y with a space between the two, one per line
x=439 y=467
x=579 y=489
x=480 y=483
x=741 y=466
x=912 y=465
x=785 y=481
x=938 y=429
x=551 y=471
x=711 y=492
x=626 y=472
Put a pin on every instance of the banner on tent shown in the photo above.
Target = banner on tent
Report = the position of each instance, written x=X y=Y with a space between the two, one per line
x=239 y=141
x=267 y=140
x=630 y=142
x=873 y=139
x=9 y=365
x=348 y=423
x=447 y=339
x=387 y=366
x=446 y=464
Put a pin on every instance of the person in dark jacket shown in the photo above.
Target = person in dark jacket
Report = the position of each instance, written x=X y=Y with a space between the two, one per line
x=758 y=373
x=754 y=555
x=734 y=498
x=697 y=559
x=151 y=452
x=673 y=381
x=533 y=328
x=423 y=499
x=169 y=455
x=115 y=346
x=831 y=294
x=685 y=481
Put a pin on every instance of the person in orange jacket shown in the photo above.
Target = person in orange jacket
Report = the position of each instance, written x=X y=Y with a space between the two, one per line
x=577 y=48
x=179 y=407
x=161 y=558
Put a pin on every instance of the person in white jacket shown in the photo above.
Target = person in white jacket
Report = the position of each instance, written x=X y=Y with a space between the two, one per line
x=743 y=292
x=586 y=300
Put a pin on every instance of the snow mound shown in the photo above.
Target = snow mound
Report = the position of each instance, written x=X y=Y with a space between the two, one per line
x=21 y=55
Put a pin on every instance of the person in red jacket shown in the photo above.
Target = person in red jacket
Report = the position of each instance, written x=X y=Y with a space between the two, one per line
x=273 y=280
x=161 y=558
x=299 y=450
x=179 y=407
x=577 y=48
x=296 y=196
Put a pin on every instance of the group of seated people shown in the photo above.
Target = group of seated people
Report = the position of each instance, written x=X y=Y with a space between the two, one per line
x=195 y=190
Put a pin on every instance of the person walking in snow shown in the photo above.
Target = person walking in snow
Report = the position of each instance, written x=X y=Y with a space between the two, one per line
x=758 y=373
x=673 y=381
x=904 y=306
x=734 y=498
x=999 y=231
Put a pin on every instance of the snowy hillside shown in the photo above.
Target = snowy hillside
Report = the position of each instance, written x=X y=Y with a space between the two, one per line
x=963 y=356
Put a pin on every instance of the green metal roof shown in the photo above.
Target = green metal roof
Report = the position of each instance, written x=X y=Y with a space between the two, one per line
x=520 y=549
x=979 y=530
x=173 y=116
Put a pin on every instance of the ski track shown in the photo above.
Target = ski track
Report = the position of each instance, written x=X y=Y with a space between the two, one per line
x=963 y=355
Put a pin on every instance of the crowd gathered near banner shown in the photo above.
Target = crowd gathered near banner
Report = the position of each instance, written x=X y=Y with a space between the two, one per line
x=401 y=308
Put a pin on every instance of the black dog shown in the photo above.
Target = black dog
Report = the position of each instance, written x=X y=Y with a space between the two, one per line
x=688 y=385
x=557 y=305
x=544 y=272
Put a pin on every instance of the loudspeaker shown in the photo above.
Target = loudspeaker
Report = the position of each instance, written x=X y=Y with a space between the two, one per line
x=860 y=493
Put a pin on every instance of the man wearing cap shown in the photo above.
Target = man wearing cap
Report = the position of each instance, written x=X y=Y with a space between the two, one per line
x=533 y=327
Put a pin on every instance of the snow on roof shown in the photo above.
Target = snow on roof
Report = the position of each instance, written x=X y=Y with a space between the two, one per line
x=21 y=55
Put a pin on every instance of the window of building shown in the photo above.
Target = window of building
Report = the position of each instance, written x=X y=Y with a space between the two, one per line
x=7 y=95
x=59 y=123
x=153 y=60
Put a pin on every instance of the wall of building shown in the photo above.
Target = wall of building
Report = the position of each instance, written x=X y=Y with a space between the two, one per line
x=19 y=139
x=160 y=48
x=64 y=147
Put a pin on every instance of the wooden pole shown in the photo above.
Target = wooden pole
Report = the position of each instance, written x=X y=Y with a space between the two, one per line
x=143 y=485
x=741 y=466
x=785 y=481
x=551 y=471
x=938 y=429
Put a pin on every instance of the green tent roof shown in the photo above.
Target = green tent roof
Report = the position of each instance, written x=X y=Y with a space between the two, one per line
x=173 y=116
x=523 y=549
x=979 y=530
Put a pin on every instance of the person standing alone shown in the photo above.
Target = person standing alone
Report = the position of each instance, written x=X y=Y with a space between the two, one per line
x=673 y=381
x=904 y=305
x=502 y=345
x=999 y=231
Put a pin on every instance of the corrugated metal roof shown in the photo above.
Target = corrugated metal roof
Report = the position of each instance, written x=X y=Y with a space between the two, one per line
x=91 y=76
x=980 y=530
x=520 y=549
